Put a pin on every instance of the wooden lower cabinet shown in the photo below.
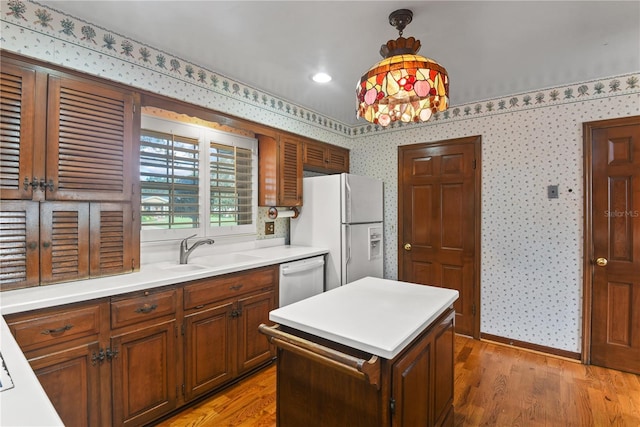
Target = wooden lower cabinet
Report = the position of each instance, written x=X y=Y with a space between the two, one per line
x=71 y=379
x=131 y=359
x=253 y=348
x=144 y=383
x=62 y=345
x=222 y=315
x=422 y=380
x=208 y=351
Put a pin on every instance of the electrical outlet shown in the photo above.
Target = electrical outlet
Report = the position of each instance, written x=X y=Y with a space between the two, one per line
x=269 y=227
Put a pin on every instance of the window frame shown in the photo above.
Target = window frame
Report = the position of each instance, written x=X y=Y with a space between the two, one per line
x=205 y=136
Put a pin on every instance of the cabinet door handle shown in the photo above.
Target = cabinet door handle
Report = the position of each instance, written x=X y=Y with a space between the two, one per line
x=57 y=330
x=235 y=287
x=46 y=185
x=146 y=308
x=111 y=354
x=98 y=357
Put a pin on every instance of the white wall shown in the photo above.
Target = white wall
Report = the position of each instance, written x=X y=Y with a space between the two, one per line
x=531 y=246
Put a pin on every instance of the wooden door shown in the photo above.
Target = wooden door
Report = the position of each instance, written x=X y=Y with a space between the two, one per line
x=208 y=349
x=612 y=252
x=439 y=221
x=144 y=374
x=71 y=379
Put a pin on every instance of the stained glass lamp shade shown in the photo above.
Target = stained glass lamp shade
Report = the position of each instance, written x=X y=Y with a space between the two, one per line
x=404 y=85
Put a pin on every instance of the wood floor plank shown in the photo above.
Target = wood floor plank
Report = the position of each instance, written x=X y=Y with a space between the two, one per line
x=494 y=385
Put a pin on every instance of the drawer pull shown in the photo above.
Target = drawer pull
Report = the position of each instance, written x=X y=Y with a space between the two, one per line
x=57 y=330
x=146 y=308
x=235 y=288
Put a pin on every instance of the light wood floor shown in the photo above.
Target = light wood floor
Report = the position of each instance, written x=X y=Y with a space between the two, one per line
x=495 y=385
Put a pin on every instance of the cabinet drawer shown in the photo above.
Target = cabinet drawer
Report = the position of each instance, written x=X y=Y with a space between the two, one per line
x=142 y=307
x=207 y=291
x=37 y=330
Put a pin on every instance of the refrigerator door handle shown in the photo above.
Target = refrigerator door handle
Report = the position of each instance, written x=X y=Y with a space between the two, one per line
x=348 y=243
x=347 y=202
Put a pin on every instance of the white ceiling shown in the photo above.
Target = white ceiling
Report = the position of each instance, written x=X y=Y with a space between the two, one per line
x=491 y=49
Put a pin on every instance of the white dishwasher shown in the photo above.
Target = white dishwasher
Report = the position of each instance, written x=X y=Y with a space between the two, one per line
x=301 y=279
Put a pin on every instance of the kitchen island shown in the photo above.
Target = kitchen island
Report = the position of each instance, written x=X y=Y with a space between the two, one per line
x=375 y=352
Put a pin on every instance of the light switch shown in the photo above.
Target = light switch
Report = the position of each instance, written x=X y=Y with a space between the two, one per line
x=552 y=192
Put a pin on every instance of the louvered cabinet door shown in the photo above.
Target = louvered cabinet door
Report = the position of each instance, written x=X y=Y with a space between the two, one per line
x=64 y=241
x=290 y=172
x=17 y=113
x=110 y=240
x=89 y=141
x=19 y=254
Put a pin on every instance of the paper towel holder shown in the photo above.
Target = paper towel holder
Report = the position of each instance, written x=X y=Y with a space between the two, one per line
x=288 y=213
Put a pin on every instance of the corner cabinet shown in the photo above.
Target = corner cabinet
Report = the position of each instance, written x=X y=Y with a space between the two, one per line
x=280 y=171
x=68 y=147
x=325 y=158
x=63 y=346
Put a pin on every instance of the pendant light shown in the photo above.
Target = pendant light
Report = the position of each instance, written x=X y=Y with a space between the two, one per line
x=403 y=86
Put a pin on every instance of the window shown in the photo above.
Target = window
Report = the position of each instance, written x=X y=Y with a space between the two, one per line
x=179 y=188
x=169 y=166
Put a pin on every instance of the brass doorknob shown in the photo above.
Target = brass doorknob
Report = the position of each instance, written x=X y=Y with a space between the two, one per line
x=407 y=246
x=601 y=262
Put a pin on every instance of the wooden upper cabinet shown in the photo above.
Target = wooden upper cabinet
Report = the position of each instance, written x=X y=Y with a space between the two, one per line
x=64 y=241
x=325 y=158
x=280 y=171
x=64 y=138
x=89 y=141
x=17 y=110
x=19 y=244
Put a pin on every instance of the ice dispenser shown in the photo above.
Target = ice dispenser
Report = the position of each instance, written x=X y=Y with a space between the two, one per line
x=375 y=242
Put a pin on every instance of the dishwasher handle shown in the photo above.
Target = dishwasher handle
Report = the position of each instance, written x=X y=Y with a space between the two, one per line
x=292 y=269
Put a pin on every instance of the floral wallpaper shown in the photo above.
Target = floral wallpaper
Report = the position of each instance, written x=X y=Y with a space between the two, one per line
x=531 y=246
x=531 y=271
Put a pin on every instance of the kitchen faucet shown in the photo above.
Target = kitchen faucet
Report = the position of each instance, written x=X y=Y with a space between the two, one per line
x=185 y=251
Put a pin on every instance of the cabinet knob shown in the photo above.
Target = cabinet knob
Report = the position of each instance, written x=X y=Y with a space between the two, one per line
x=407 y=246
x=601 y=262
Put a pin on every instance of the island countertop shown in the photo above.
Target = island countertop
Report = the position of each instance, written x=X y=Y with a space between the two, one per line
x=378 y=316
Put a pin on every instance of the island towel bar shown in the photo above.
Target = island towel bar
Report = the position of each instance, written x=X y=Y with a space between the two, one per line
x=368 y=370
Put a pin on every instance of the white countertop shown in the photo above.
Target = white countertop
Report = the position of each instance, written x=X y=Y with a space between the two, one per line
x=26 y=404
x=149 y=276
x=378 y=316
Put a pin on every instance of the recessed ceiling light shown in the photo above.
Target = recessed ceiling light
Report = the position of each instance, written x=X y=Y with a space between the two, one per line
x=321 y=78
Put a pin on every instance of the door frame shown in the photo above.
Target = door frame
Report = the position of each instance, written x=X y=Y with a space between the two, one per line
x=588 y=250
x=477 y=148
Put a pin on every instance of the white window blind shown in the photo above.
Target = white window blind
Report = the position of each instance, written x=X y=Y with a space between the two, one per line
x=169 y=170
x=231 y=185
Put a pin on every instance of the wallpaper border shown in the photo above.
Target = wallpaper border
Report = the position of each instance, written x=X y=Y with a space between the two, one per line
x=41 y=19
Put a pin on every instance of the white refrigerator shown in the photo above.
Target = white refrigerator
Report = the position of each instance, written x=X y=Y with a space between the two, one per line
x=343 y=213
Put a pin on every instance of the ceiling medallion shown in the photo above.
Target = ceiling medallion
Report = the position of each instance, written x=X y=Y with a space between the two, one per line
x=403 y=86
